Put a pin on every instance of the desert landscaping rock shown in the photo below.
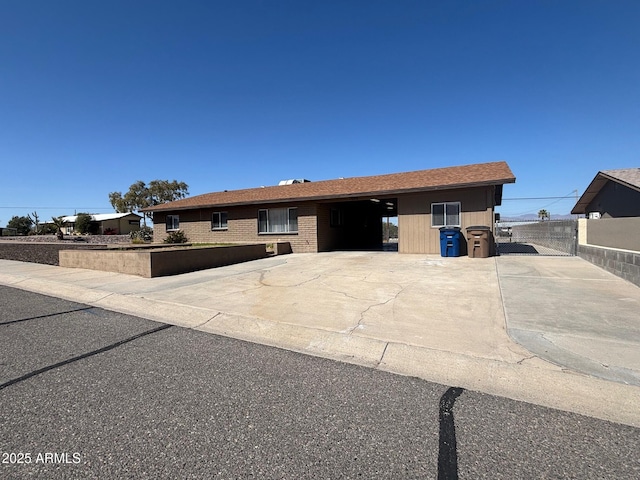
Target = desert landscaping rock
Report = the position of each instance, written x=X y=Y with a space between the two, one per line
x=40 y=251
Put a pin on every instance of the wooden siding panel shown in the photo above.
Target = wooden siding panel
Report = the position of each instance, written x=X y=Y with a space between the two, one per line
x=415 y=233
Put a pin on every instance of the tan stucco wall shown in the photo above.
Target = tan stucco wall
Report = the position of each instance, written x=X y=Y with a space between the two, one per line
x=582 y=231
x=161 y=261
x=622 y=233
x=120 y=225
x=123 y=261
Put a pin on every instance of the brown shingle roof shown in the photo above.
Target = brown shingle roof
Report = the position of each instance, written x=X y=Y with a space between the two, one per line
x=629 y=177
x=495 y=173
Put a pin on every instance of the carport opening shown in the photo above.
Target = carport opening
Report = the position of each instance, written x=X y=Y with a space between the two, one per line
x=390 y=233
x=361 y=224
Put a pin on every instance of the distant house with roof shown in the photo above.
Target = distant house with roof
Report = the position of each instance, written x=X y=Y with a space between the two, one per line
x=344 y=213
x=107 y=223
x=610 y=235
x=611 y=194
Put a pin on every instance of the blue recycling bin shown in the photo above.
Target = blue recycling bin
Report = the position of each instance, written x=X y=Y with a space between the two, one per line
x=450 y=241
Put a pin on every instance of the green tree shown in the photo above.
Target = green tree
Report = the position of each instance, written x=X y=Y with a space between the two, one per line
x=21 y=224
x=542 y=214
x=59 y=224
x=141 y=195
x=83 y=223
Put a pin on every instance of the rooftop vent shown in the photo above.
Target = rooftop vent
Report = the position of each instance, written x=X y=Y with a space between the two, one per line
x=293 y=180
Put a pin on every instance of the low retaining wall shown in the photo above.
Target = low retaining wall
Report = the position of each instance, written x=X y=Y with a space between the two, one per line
x=282 y=248
x=624 y=264
x=39 y=252
x=161 y=261
x=73 y=239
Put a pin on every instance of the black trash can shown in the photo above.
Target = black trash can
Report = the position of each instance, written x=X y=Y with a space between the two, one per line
x=450 y=241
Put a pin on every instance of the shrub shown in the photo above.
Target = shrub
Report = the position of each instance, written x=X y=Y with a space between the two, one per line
x=48 y=229
x=145 y=234
x=176 y=237
x=83 y=223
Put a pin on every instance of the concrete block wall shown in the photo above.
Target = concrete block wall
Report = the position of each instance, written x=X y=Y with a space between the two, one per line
x=622 y=263
x=607 y=253
x=557 y=234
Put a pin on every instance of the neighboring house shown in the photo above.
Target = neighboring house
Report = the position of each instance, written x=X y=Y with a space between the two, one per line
x=108 y=223
x=611 y=194
x=610 y=235
x=345 y=213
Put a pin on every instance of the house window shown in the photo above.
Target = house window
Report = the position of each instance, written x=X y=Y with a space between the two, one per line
x=445 y=214
x=219 y=221
x=173 y=222
x=278 y=220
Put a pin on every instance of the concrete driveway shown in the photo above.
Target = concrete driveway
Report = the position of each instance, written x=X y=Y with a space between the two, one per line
x=441 y=319
x=573 y=314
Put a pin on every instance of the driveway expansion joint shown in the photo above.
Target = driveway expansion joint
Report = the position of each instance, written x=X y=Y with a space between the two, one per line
x=383 y=353
x=196 y=327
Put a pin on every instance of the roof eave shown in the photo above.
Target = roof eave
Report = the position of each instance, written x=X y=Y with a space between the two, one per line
x=310 y=198
x=590 y=193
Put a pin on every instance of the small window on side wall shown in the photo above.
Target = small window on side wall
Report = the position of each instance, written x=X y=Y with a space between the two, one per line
x=173 y=222
x=219 y=221
x=445 y=214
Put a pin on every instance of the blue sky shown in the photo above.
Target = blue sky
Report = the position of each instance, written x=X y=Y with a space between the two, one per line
x=236 y=94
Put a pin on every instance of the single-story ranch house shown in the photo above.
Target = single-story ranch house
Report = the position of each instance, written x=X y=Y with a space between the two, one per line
x=107 y=223
x=345 y=213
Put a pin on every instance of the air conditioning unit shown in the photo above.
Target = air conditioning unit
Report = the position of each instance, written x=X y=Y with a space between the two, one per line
x=594 y=215
x=293 y=180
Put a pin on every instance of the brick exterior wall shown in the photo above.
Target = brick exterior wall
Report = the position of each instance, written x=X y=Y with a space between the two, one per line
x=326 y=234
x=242 y=226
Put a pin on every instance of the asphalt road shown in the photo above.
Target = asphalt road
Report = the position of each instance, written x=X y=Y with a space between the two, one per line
x=88 y=393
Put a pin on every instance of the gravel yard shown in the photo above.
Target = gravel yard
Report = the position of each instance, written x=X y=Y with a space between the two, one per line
x=44 y=249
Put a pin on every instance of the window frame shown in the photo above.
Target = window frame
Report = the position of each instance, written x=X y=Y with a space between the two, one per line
x=287 y=231
x=445 y=216
x=175 y=223
x=220 y=225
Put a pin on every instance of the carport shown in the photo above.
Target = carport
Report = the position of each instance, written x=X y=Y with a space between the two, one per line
x=356 y=224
